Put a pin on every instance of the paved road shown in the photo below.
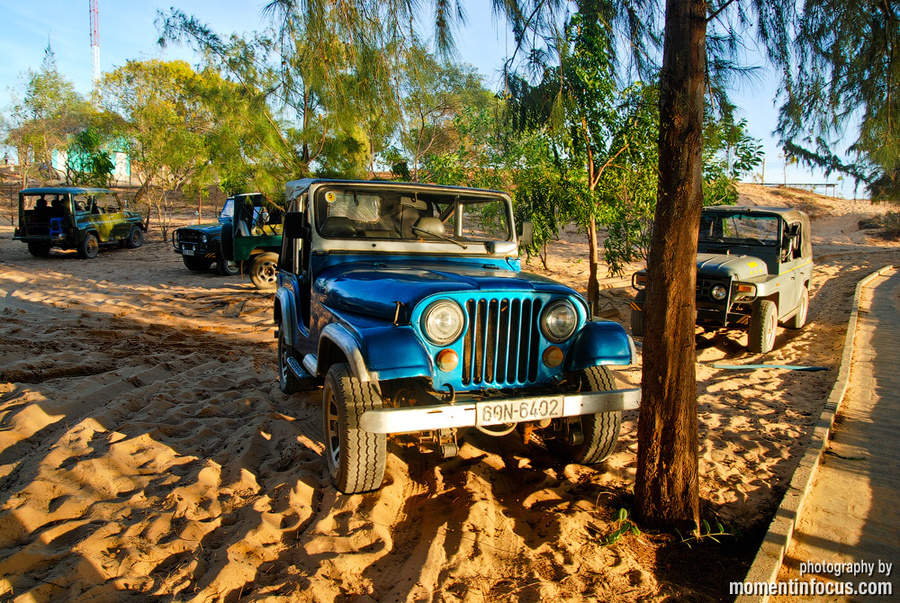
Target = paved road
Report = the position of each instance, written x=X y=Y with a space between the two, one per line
x=852 y=512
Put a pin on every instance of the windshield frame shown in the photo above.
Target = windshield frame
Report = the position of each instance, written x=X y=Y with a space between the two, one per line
x=391 y=225
x=743 y=225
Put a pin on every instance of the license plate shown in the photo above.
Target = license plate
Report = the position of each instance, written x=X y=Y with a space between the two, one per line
x=515 y=411
x=187 y=252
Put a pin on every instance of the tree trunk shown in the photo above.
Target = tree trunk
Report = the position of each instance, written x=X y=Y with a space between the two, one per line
x=666 y=488
x=593 y=288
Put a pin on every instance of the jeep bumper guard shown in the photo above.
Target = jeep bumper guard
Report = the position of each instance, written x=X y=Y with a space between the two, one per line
x=427 y=418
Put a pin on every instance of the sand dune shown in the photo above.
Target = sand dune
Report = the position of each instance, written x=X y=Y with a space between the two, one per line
x=146 y=452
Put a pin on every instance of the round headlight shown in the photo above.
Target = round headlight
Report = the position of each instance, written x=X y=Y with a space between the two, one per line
x=719 y=292
x=203 y=238
x=443 y=322
x=559 y=321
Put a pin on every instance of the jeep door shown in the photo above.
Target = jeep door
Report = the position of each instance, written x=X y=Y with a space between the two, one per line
x=294 y=266
x=792 y=263
x=90 y=217
x=111 y=209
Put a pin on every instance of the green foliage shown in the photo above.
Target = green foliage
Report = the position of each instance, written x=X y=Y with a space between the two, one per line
x=624 y=526
x=441 y=103
x=728 y=154
x=87 y=162
x=165 y=123
x=844 y=74
x=50 y=111
x=334 y=102
x=707 y=531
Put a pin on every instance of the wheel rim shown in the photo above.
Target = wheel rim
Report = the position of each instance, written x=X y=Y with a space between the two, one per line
x=266 y=271
x=91 y=247
x=770 y=331
x=804 y=308
x=282 y=358
x=332 y=439
x=232 y=267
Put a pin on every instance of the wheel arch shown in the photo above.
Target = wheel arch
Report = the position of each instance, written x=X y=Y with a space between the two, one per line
x=600 y=343
x=284 y=313
x=336 y=345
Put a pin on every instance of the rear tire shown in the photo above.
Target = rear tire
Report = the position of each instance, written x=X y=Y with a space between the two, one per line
x=263 y=269
x=601 y=430
x=39 y=249
x=356 y=459
x=763 y=325
x=799 y=319
x=196 y=264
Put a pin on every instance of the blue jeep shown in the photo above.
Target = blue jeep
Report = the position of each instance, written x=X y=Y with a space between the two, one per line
x=408 y=302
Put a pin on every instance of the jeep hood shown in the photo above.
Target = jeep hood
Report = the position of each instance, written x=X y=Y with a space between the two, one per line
x=374 y=289
x=738 y=267
x=207 y=229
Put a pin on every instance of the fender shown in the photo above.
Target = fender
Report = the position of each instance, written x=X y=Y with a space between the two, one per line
x=378 y=353
x=602 y=342
x=396 y=352
x=286 y=313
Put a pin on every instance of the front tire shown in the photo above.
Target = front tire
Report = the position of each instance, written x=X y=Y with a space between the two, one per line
x=263 y=269
x=135 y=238
x=763 y=324
x=226 y=267
x=600 y=430
x=196 y=264
x=355 y=458
x=90 y=247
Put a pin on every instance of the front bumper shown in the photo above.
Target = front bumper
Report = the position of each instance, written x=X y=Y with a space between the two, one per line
x=427 y=418
x=199 y=250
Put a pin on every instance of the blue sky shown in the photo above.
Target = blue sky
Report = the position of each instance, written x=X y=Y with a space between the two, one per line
x=127 y=31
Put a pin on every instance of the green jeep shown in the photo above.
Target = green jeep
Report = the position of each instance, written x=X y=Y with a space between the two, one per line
x=252 y=238
x=76 y=218
x=754 y=266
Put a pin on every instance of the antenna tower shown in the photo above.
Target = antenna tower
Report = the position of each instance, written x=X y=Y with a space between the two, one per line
x=95 y=41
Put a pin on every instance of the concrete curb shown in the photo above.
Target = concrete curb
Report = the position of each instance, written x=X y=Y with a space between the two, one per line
x=775 y=544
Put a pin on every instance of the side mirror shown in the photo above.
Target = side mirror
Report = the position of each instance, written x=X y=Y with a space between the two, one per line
x=294 y=225
x=526 y=234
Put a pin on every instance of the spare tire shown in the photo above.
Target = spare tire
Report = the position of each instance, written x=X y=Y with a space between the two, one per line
x=226 y=245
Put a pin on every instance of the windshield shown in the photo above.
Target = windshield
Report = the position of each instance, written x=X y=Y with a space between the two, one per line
x=739 y=229
x=411 y=215
x=97 y=203
x=228 y=208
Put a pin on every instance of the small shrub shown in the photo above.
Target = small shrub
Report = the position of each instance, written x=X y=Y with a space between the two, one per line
x=891 y=223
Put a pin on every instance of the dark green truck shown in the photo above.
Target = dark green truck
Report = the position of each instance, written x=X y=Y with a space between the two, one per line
x=252 y=239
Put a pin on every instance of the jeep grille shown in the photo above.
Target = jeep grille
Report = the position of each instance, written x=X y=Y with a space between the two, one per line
x=190 y=236
x=501 y=345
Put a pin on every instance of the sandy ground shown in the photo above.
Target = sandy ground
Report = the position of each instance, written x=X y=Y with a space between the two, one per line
x=147 y=454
